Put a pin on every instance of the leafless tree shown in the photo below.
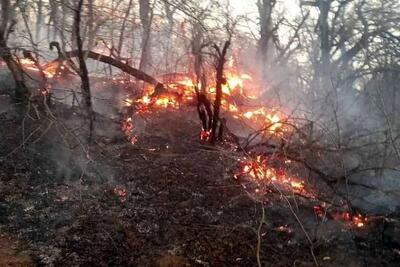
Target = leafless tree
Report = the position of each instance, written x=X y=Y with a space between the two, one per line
x=7 y=24
x=83 y=71
x=146 y=17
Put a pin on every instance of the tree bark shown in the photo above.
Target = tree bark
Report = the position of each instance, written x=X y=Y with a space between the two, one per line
x=83 y=71
x=218 y=97
x=324 y=7
x=111 y=61
x=90 y=24
x=265 y=8
x=6 y=26
x=121 y=36
x=39 y=19
x=197 y=45
x=53 y=5
x=146 y=18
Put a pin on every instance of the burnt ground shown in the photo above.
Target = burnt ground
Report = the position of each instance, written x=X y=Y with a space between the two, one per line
x=166 y=201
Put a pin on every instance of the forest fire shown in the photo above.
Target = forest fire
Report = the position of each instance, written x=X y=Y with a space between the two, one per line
x=259 y=169
x=205 y=135
x=50 y=70
x=263 y=119
x=128 y=130
x=181 y=92
x=355 y=220
x=187 y=133
x=164 y=101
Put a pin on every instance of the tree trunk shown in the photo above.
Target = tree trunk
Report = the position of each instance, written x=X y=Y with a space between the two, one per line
x=146 y=18
x=90 y=24
x=6 y=26
x=53 y=18
x=39 y=19
x=324 y=7
x=218 y=97
x=121 y=36
x=83 y=71
x=196 y=45
x=265 y=8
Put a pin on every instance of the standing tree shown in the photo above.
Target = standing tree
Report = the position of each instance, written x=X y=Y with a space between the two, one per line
x=146 y=18
x=265 y=49
x=220 y=80
x=83 y=71
x=123 y=26
x=39 y=19
x=7 y=24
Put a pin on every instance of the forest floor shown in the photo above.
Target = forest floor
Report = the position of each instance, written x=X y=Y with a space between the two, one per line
x=166 y=201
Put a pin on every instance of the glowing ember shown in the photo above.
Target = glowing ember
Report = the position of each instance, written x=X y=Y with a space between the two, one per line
x=128 y=129
x=26 y=62
x=259 y=170
x=133 y=139
x=355 y=220
x=128 y=102
x=319 y=210
x=297 y=185
x=205 y=135
x=120 y=192
x=352 y=220
x=359 y=221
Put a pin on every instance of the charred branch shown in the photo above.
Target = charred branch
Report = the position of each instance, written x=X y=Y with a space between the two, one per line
x=138 y=74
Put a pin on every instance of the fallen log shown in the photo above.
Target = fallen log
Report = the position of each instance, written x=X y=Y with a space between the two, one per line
x=138 y=74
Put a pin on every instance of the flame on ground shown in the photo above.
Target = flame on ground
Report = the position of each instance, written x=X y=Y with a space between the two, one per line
x=271 y=121
x=260 y=170
x=205 y=135
x=181 y=92
x=351 y=220
x=355 y=220
x=128 y=130
x=50 y=70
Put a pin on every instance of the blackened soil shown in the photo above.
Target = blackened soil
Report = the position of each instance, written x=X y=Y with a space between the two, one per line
x=166 y=201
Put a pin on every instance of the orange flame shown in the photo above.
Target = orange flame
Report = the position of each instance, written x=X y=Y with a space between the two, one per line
x=205 y=135
x=50 y=70
x=128 y=129
x=351 y=220
x=260 y=170
x=181 y=91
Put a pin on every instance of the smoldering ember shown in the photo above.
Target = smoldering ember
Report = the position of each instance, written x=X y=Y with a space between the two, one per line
x=178 y=133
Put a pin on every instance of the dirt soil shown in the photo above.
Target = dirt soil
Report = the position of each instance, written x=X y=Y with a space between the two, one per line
x=166 y=201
